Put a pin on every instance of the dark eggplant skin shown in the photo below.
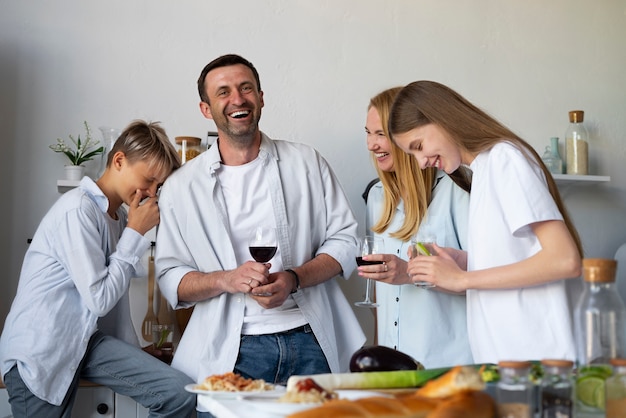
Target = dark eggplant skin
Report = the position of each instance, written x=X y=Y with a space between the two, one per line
x=378 y=358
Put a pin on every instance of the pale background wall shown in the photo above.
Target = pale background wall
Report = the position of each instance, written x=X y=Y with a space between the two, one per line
x=108 y=62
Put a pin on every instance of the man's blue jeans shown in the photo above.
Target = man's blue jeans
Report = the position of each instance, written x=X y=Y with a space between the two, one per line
x=275 y=357
x=122 y=367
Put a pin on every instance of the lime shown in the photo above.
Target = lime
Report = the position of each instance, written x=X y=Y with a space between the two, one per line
x=421 y=249
x=590 y=391
x=599 y=370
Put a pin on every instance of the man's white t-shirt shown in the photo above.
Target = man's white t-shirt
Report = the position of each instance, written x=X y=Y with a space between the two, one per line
x=243 y=216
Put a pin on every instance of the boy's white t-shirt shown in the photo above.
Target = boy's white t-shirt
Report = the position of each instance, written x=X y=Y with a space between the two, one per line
x=245 y=214
x=532 y=323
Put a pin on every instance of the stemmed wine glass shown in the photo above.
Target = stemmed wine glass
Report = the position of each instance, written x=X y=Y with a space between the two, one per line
x=262 y=244
x=422 y=244
x=367 y=246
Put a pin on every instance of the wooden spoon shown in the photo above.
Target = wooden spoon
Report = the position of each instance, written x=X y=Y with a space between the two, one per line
x=150 y=318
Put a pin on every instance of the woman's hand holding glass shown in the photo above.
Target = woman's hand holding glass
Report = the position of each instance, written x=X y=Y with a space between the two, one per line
x=393 y=271
x=444 y=269
x=423 y=244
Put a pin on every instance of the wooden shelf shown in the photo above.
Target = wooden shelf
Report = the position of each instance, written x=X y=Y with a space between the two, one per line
x=65 y=185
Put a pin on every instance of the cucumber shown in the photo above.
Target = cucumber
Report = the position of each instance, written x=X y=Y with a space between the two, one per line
x=371 y=380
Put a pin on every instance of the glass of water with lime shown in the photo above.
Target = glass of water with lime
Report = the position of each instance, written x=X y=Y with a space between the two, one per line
x=422 y=245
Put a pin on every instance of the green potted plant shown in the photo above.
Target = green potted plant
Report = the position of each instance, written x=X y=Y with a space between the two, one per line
x=79 y=153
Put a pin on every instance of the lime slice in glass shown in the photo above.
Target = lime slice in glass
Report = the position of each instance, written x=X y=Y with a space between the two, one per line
x=421 y=249
x=590 y=391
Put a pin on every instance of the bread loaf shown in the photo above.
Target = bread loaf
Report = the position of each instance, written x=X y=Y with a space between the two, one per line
x=373 y=407
x=458 y=379
x=466 y=404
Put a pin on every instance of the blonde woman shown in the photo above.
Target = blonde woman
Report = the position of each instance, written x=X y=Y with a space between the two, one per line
x=521 y=242
x=427 y=324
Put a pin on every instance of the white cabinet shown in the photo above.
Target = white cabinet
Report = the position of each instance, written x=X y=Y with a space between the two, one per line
x=5 y=408
x=94 y=402
x=91 y=402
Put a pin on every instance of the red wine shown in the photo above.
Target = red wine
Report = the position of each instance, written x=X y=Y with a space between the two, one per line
x=361 y=262
x=263 y=254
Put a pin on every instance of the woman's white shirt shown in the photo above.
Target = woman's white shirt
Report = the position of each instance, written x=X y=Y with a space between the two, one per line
x=508 y=195
x=428 y=325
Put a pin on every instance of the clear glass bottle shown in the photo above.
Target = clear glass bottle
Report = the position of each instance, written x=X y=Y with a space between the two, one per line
x=600 y=315
x=616 y=390
x=600 y=333
x=551 y=157
x=557 y=161
x=547 y=158
x=514 y=391
x=556 y=389
x=576 y=144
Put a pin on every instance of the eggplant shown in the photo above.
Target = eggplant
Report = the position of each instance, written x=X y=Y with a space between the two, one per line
x=378 y=358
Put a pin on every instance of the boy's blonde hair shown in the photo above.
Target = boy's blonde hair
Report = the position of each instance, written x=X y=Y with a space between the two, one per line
x=147 y=141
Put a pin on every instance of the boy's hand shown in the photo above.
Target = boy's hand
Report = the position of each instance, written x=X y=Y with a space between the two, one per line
x=143 y=216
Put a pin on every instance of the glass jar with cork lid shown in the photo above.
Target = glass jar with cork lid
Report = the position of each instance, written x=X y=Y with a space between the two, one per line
x=188 y=147
x=576 y=145
x=514 y=391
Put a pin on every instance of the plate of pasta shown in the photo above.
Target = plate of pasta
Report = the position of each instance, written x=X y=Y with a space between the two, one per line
x=233 y=386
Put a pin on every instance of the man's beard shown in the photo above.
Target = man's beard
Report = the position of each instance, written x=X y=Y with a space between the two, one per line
x=245 y=136
x=242 y=135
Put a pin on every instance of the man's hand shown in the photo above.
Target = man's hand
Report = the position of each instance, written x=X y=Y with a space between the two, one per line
x=275 y=292
x=248 y=276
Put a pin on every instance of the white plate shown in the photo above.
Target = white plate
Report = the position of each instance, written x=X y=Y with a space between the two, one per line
x=358 y=394
x=281 y=408
x=272 y=405
x=220 y=394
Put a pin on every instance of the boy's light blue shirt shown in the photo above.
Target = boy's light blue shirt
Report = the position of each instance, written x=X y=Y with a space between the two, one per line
x=76 y=269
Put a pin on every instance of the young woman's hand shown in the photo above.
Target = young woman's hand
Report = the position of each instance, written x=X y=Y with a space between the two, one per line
x=444 y=269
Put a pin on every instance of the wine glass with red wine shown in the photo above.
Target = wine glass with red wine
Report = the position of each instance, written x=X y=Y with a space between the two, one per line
x=262 y=244
x=367 y=246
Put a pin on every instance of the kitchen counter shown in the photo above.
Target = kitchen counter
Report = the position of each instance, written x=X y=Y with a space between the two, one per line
x=241 y=408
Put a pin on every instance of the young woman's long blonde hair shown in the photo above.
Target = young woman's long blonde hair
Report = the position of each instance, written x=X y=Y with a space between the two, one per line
x=407 y=182
x=473 y=130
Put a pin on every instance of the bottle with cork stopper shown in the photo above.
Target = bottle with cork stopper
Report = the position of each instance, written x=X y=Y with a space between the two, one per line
x=576 y=144
x=600 y=333
x=600 y=319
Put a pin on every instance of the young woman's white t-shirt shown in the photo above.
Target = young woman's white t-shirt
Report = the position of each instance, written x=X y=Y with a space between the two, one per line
x=531 y=323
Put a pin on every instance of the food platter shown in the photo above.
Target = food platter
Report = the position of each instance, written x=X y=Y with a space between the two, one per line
x=220 y=394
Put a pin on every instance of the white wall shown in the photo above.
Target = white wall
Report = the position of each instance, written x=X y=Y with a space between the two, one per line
x=107 y=62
